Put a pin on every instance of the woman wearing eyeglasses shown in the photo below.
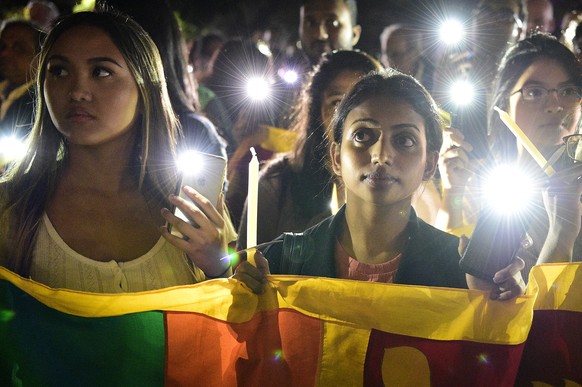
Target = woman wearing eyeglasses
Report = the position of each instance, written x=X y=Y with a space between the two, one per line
x=539 y=83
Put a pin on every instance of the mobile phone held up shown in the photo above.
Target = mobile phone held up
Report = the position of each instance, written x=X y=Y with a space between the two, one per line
x=205 y=173
x=493 y=244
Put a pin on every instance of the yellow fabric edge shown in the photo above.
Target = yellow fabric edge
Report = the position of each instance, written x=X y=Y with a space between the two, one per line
x=214 y=298
x=560 y=286
x=447 y=314
x=466 y=230
x=279 y=140
x=344 y=348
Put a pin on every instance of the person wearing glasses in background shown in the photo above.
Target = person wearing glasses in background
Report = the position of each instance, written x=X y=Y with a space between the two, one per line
x=539 y=84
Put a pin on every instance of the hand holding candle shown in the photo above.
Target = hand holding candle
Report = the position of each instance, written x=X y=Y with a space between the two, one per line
x=252 y=200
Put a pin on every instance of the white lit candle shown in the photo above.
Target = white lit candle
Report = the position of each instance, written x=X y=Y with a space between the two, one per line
x=334 y=204
x=252 y=200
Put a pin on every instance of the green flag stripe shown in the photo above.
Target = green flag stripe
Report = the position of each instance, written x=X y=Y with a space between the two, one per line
x=43 y=346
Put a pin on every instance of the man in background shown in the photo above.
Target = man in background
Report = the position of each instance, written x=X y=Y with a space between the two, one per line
x=327 y=25
x=540 y=15
x=401 y=49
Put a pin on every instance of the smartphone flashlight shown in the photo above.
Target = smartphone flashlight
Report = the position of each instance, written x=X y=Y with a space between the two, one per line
x=205 y=173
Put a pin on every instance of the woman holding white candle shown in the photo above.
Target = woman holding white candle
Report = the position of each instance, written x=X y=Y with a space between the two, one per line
x=295 y=189
x=384 y=145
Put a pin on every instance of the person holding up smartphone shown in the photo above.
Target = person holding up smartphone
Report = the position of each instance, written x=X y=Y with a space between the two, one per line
x=87 y=207
x=385 y=144
x=539 y=84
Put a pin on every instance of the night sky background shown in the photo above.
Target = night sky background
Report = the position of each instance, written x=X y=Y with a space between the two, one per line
x=242 y=17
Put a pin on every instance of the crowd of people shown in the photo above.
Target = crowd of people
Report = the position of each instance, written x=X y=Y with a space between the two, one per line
x=384 y=182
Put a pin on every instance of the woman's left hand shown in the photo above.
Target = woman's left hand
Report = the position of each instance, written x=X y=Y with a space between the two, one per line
x=205 y=242
x=507 y=283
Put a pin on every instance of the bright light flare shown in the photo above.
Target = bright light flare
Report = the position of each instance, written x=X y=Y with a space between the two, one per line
x=263 y=47
x=452 y=32
x=508 y=189
x=11 y=148
x=288 y=75
x=462 y=92
x=258 y=89
x=190 y=163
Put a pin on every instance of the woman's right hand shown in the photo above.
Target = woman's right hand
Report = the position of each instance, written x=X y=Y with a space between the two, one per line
x=205 y=242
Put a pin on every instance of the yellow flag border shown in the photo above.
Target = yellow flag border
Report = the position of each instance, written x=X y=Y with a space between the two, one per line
x=443 y=313
x=559 y=286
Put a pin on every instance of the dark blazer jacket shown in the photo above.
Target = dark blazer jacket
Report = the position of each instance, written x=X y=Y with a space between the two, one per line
x=430 y=257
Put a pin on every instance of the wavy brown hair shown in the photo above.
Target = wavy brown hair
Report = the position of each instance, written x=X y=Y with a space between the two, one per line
x=28 y=185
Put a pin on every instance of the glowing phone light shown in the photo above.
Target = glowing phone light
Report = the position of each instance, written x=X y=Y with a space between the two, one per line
x=508 y=189
x=288 y=75
x=462 y=92
x=11 y=148
x=452 y=32
x=190 y=163
x=258 y=88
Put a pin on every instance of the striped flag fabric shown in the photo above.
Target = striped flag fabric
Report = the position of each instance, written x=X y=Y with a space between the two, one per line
x=303 y=331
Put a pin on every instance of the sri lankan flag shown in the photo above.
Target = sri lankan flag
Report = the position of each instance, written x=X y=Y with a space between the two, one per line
x=553 y=350
x=302 y=331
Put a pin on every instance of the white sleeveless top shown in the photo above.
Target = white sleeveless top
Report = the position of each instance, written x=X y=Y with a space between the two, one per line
x=56 y=265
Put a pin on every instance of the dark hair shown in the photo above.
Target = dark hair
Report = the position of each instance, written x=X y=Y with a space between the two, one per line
x=577 y=35
x=204 y=48
x=515 y=61
x=38 y=35
x=157 y=19
x=352 y=7
x=412 y=35
x=309 y=158
x=309 y=150
x=31 y=181
x=395 y=85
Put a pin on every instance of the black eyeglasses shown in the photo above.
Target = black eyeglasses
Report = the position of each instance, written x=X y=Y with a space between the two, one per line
x=574 y=146
x=568 y=94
